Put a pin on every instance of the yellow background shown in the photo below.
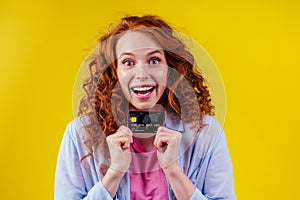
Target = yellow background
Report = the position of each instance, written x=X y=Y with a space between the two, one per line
x=255 y=45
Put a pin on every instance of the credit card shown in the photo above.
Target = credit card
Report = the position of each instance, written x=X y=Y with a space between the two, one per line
x=145 y=121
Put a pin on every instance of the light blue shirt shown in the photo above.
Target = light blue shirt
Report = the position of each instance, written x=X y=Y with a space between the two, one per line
x=203 y=157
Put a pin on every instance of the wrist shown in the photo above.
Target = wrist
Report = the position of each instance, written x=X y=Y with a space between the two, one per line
x=172 y=169
x=111 y=180
x=115 y=173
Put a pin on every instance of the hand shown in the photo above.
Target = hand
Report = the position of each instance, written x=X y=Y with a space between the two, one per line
x=119 y=149
x=167 y=142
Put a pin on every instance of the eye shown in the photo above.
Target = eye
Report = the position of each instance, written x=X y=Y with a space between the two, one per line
x=154 y=61
x=128 y=62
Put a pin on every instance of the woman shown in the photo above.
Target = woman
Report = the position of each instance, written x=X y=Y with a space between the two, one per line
x=141 y=66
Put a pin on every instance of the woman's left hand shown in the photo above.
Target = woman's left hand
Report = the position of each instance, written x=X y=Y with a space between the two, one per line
x=167 y=142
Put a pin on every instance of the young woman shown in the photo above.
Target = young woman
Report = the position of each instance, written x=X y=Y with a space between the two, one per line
x=142 y=66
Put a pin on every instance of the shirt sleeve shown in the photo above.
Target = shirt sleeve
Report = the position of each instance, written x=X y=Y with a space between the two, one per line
x=218 y=182
x=69 y=179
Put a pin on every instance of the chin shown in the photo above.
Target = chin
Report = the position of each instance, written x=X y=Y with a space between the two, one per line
x=143 y=105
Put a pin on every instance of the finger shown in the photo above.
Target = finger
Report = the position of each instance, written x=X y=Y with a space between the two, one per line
x=163 y=139
x=175 y=136
x=117 y=135
x=124 y=146
x=165 y=135
x=126 y=131
x=121 y=132
x=158 y=133
x=165 y=131
x=119 y=141
x=163 y=128
x=162 y=143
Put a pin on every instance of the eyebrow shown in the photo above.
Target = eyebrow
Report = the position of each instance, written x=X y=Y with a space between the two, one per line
x=155 y=51
x=148 y=54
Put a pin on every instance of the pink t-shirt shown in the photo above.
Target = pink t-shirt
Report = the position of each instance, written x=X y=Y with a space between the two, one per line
x=147 y=179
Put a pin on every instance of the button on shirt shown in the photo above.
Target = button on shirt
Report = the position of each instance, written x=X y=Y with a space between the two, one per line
x=203 y=158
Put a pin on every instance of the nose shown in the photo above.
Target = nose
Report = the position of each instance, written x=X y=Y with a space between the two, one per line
x=142 y=73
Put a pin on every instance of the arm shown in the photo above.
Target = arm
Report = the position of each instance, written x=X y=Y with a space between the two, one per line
x=181 y=185
x=70 y=183
x=119 y=149
x=167 y=142
x=112 y=180
x=218 y=183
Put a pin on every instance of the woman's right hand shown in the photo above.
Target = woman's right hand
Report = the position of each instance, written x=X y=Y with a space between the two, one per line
x=120 y=158
x=119 y=148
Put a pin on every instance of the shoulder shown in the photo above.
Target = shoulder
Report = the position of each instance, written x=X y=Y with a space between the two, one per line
x=207 y=137
x=75 y=130
x=212 y=127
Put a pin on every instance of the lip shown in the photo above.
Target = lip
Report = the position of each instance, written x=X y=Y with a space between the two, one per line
x=146 y=95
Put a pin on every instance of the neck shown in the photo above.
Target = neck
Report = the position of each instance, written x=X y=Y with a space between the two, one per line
x=146 y=142
x=156 y=107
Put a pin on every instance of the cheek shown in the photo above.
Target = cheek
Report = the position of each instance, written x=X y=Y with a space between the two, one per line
x=124 y=78
x=120 y=74
x=161 y=76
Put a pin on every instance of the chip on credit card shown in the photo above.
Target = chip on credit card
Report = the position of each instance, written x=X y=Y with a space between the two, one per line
x=145 y=121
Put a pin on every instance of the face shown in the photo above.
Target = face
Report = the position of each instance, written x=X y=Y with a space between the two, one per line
x=142 y=69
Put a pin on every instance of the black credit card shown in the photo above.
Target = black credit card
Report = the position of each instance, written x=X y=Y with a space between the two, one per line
x=144 y=121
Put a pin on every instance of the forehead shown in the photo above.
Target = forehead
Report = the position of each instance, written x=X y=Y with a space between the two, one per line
x=132 y=41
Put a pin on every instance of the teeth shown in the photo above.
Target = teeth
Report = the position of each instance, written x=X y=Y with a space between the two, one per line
x=142 y=89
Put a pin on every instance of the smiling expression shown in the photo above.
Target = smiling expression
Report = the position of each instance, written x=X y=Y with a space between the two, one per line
x=141 y=68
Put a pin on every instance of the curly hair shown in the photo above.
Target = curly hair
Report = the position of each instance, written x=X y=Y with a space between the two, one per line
x=104 y=105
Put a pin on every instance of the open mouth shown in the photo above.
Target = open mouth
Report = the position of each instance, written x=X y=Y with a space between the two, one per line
x=143 y=91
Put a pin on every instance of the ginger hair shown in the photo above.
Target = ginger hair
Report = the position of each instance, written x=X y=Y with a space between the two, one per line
x=105 y=107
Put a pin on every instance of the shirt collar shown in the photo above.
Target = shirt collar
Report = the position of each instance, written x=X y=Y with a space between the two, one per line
x=173 y=121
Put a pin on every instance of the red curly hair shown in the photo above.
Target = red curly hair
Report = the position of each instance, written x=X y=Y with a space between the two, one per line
x=104 y=104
